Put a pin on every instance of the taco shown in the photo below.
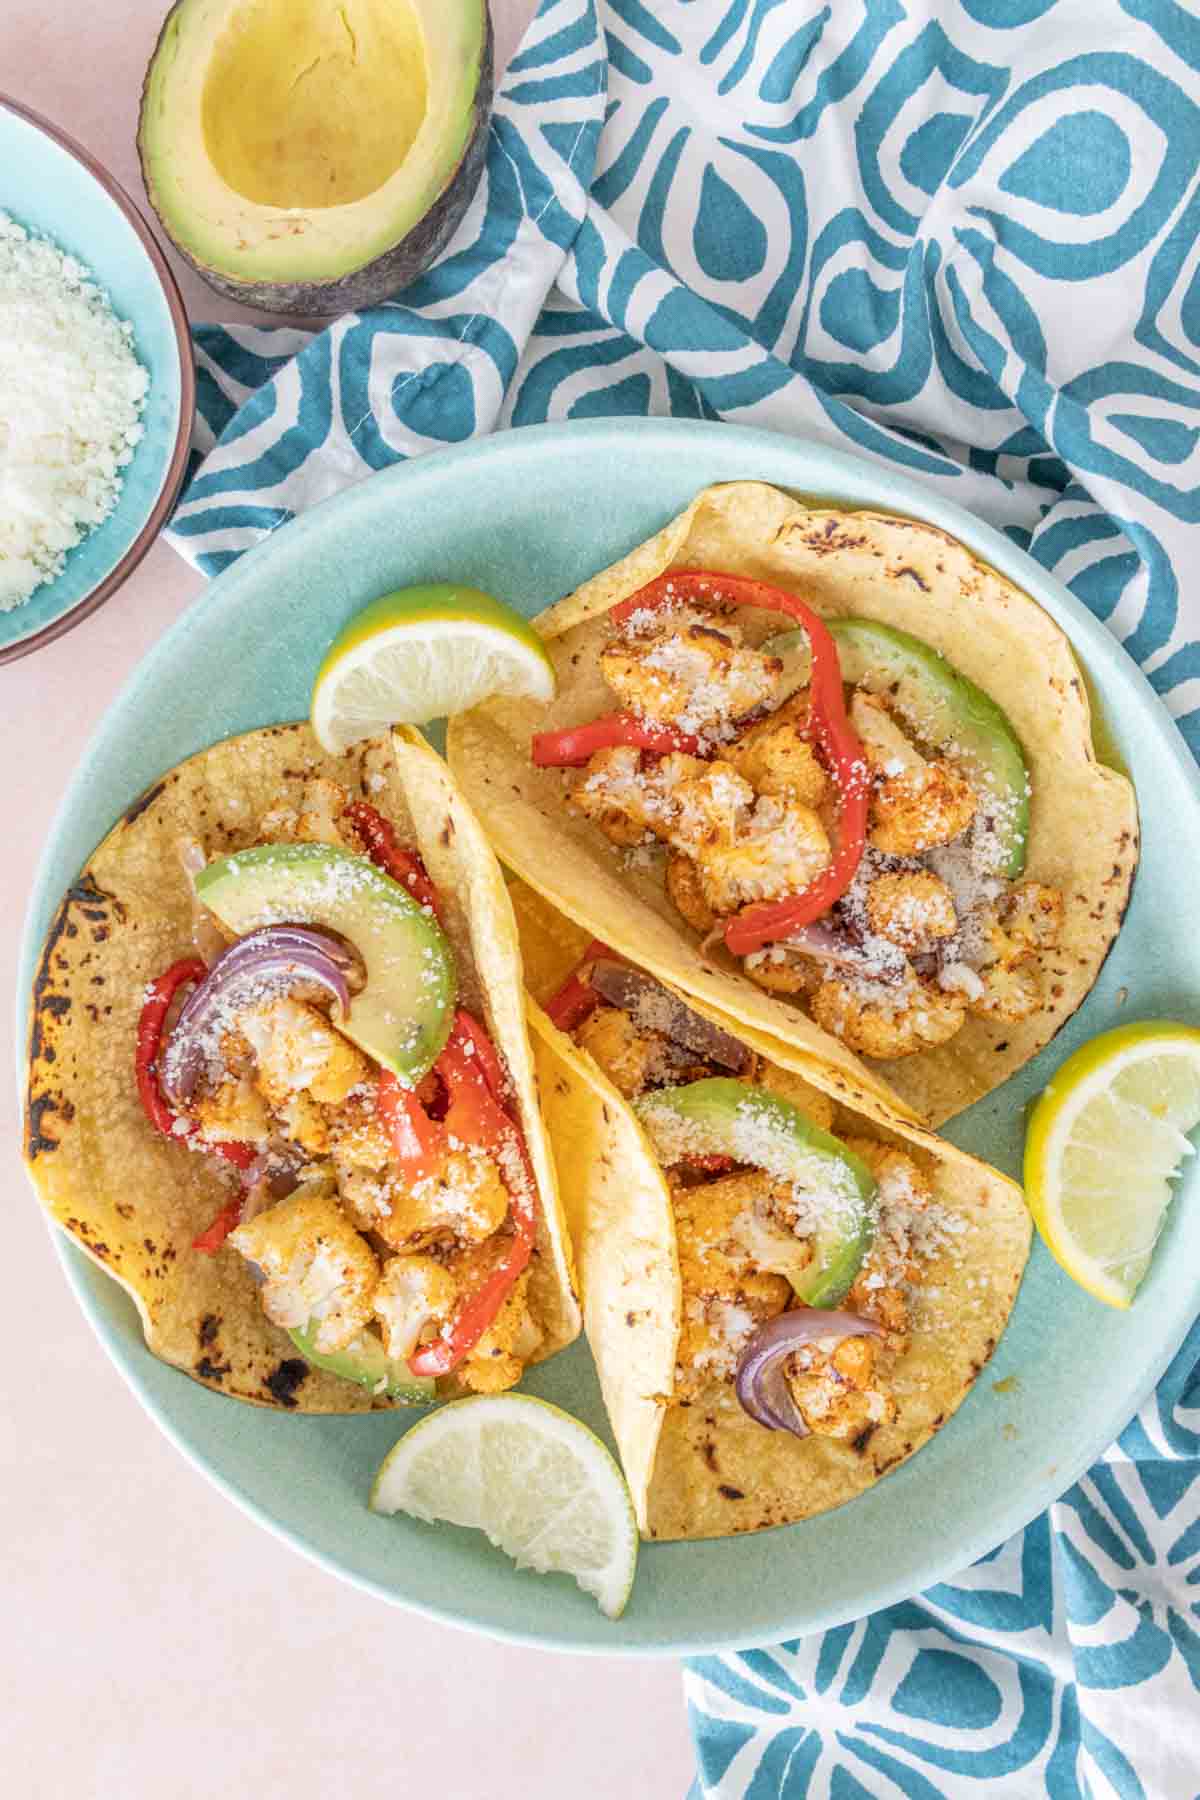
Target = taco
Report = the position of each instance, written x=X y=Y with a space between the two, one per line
x=785 y=1296
x=830 y=774
x=280 y=1085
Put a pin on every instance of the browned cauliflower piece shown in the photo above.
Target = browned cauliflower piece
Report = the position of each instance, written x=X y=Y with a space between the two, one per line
x=775 y=758
x=915 y=811
x=298 y=1049
x=1029 y=919
x=498 y=1360
x=689 y=668
x=837 y=1406
x=1033 y=916
x=466 y=1201
x=305 y=1123
x=920 y=1018
x=628 y=1057
x=900 y=1177
x=630 y=804
x=413 y=1292
x=684 y=893
x=911 y=908
x=1012 y=991
x=320 y=1273
x=358 y=1139
x=233 y=1113
x=746 y=848
x=364 y=1196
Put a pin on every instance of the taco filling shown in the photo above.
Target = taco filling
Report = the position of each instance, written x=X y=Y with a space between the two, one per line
x=383 y=1197
x=801 y=1254
x=834 y=801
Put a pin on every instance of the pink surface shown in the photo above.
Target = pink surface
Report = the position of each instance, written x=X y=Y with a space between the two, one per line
x=157 y=1643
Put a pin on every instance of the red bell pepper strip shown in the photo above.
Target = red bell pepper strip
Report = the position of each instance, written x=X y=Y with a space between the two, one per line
x=417 y=1142
x=473 y=1077
x=154 y=1103
x=227 y=1220
x=576 y=998
x=404 y=866
x=841 y=752
x=476 y=1042
x=570 y=749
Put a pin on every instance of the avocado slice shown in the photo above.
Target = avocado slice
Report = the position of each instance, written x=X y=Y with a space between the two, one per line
x=368 y=1365
x=723 y=1117
x=402 y=1016
x=943 y=707
x=314 y=156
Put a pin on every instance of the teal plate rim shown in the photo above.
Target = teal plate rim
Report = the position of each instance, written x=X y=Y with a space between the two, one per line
x=627 y=450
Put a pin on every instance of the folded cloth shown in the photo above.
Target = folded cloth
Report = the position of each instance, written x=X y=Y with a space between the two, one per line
x=961 y=237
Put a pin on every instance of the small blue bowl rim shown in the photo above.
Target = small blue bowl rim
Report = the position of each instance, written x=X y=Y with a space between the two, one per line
x=176 y=468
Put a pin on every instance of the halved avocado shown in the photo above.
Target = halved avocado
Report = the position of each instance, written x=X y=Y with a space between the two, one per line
x=314 y=156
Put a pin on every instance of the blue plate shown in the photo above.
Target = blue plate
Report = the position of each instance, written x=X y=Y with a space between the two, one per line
x=50 y=184
x=506 y=515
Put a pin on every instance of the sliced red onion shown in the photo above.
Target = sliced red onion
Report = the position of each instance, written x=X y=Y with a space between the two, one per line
x=878 y=961
x=762 y=1386
x=655 y=1008
x=268 y=961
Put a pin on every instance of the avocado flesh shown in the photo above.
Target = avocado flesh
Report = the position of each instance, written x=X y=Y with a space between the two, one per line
x=312 y=155
x=402 y=1016
x=368 y=1365
x=940 y=706
x=748 y=1123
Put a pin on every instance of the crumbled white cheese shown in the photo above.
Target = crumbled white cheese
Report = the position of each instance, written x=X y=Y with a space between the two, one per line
x=71 y=394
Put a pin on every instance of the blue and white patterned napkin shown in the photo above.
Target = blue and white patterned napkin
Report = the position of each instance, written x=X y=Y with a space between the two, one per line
x=961 y=237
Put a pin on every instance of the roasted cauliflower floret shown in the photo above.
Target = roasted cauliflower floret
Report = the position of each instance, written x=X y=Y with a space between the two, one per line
x=684 y=893
x=762 y=852
x=233 y=1113
x=629 y=1058
x=498 y=1360
x=901 y=1179
x=919 y=1018
x=1029 y=919
x=916 y=810
x=1033 y=916
x=834 y=1406
x=775 y=758
x=726 y=1231
x=319 y=1272
x=297 y=1049
x=911 y=909
x=365 y=1197
x=885 y=746
x=302 y=1120
x=689 y=669
x=465 y=1201
x=358 y=1138
x=1011 y=992
x=413 y=1292
x=629 y=803
x=875 y=1300
x=712 y=802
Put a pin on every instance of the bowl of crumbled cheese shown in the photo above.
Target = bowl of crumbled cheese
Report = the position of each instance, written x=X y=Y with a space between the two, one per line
x=97 y=387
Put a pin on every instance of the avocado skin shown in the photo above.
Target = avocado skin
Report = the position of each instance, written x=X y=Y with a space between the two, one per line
x=382 y=278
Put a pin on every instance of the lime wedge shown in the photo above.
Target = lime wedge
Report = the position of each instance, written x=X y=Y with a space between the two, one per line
x=1105 y=1141
x=541 y=1485
x=424 y=653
